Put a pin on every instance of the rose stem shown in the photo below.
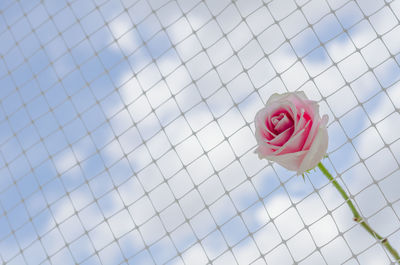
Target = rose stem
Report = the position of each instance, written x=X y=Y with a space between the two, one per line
x=357 y=216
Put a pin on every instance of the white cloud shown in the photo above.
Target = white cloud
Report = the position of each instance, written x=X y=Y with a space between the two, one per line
x=65 y=160
x=124 y=34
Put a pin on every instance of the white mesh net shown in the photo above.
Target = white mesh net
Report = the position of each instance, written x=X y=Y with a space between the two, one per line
x=126 y=131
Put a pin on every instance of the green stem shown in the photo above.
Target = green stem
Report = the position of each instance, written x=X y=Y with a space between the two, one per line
x=357 y=216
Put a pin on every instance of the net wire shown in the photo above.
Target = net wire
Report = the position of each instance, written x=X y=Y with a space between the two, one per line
x=127 y=131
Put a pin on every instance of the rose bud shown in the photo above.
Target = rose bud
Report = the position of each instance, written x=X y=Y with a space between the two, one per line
x=290 y=131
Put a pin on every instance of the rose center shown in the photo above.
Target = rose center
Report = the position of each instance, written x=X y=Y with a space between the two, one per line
x=281 y=122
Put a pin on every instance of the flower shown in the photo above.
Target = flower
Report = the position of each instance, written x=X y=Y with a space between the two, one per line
x=290 y=131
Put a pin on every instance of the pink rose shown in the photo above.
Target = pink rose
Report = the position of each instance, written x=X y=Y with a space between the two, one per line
x=290 y=131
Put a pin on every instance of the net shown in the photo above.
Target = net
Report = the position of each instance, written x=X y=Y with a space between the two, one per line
x=126 y=131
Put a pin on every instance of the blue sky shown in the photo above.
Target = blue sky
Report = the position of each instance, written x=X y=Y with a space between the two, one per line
x=120 y=135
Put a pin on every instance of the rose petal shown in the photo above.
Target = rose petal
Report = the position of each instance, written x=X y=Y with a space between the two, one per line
x=276 y=108
x=301 y=122
x=263 y=151
x=316 y=152
x=314 y=129
x=273 y=110
x=260 y=122
x=264 y=148
x=291 y=161
x=300 y=101
x=296 y=142
x=282 y=138
x=283 y=124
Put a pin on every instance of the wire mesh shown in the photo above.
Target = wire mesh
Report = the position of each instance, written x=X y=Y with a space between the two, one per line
x=126 y=131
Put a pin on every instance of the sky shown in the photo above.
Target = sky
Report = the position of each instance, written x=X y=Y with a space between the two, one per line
x=127 y=131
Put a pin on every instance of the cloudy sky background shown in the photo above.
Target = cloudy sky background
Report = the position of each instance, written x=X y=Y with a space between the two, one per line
x=126 y=131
